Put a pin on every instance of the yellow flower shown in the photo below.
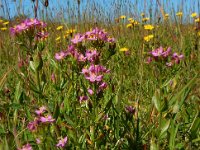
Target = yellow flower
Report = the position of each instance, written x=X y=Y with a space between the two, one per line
x=148 y=38
x=122 y=17
x=197 y=20
x=58 y=38
x=166 y=15
x=70 y=31
x=59 y=28
x=145 y=19
x=129 y=25
x=193 y=15
x=1 y=21
x=148 y=27
x=198 y=33
x=180 y=14
x=3 y=29
x=142 y=14
x=124 y=49
x=6 y=23
x=130 y=19
x=136 y=23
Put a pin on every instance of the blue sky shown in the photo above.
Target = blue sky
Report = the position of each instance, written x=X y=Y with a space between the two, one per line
x=127 y=7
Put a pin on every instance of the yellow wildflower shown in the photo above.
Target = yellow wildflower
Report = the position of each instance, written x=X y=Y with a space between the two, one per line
x=136 y=23
x=166 y=16
x=180 y=14
x=58 y=38
x=148 y=27
x=198 y=33
x=70 y=31
x=129 y=25
x=148 y=38
x=59 y=28
x=145 y=19
x=197 y=20
x=3 y=29
x=130 y=19
x=193 y=15
x=124 y=49
x=6 y=23
x=122 y=17
x=1 y=21
x=142 y=14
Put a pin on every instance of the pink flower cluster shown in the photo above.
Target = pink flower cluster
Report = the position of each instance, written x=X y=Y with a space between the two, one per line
x=94 y=35
x=26 y=25
x=90 y=55
x=26 y=147
x=94 y=73
x=62 y=142
x=160 y=54
x=41 y=118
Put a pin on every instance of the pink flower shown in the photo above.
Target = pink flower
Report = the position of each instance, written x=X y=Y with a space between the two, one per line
x=41 y=110
x=38 y=141
x=157 y=52
x=92 y=55
x=130 y=109
x=32 y=126
x=26 y=147
x=78 y=38
x=90 y=91
x=167 y=52
x=149 y=60
x=103 y=85
x=81 y=58
x=47 y=119
x=62 y=142
x=61 y=55
x=83 y=98
x=94 y=73
x=177 y=58
x=94 y=77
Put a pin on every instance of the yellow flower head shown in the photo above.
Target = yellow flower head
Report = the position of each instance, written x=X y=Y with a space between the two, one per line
x=193 y=15
x=145 y=19
x=142 y=14
x=148 y=27
x=136 y=23
x=198 y=33
x=166 y=15
x=1 y=20
x=59 y=28
x=70 y=31
x=180 y=14
x=3 y=29
x=58 y=38
x=124 y=49
x=130 y=19
x=129 y=25
x=197 y=20
x=122 y=17
x=148 y=38
x=6 y=23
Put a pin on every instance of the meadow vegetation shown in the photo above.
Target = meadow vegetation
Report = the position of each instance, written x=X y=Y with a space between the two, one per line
x=128 y=82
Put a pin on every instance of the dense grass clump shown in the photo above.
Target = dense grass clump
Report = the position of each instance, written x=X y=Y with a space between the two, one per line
x=127 y=83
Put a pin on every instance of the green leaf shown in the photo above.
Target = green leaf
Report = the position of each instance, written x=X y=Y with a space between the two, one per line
x=153 y=145
x=156 y=100
x=32 y=66
x=18 y=92
x=164 y=127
